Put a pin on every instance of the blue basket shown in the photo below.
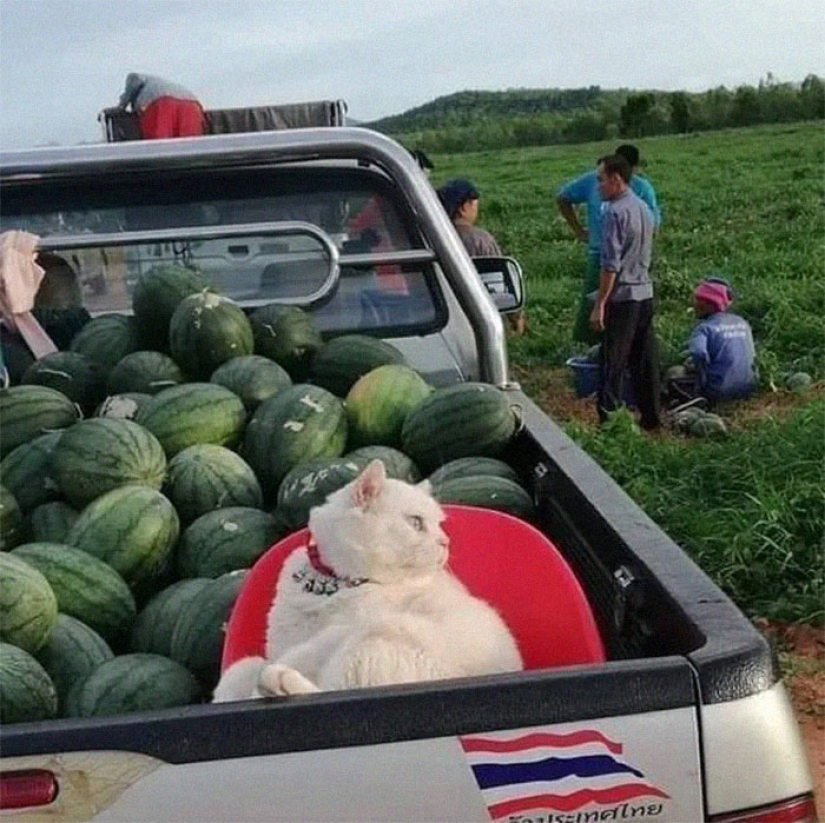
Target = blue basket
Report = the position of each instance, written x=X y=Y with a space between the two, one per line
x=587 y=379
x=586 y=376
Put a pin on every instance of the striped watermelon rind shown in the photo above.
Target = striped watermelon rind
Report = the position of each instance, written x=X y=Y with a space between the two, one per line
x=379 y=401
x=252 y=377
x=462 y=420
x=80 y=378
x=205 y=331
x=28 y=606
x=155 y=622
x=342 y=360
x=26 y=690
x=295 y=425
x=488 y=492
x=227 y=539
x=191 y=413
x=72 y=653
x=473 y=467
x=133 y=528
x=132 y=682
x=288 y=336
x=85 y=587
x=107 y=339
x=50 y=522
x=97 y=455
x=26 y=472
x=197 y=639
x=204 y=477
x=28 y=411
x=308 y=484
x=143 y=372
x=12 y=525
x=397 y=465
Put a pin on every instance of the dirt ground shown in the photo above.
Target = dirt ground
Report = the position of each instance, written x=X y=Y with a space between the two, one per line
x=801 y=648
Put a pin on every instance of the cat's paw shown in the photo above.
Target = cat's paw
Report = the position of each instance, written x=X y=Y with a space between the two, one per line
x=239 y=681
x=277 y=680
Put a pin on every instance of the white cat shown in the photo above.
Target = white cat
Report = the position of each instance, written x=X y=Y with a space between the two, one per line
x=371 y=602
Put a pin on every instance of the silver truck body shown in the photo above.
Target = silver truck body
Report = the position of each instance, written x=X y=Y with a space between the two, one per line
x=688 y=707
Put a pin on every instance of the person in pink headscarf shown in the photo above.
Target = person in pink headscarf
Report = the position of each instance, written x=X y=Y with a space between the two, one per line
x=721 y=355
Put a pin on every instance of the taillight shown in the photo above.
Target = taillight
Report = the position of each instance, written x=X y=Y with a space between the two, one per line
x=27 y=787
x=798 y=810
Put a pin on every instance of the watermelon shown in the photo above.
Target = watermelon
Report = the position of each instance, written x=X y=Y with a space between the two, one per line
x=132 y=528
x=462 y=420
x=28 y=606
x=122 y=406
x=287 y=335
x=379 y=402
x=342 y=360
x=132 y=683
x=72 y=653
x=297 y=424
x=50 y=522
x=253 y=378
x=26 y=472
x=204 y=477
x=472 y=467
x=85 y=587
x=107 y=339
x=81 y=379
x=798 y=382
x=157 y=294
x=28 y=411
x=205 y=331
x=226 y=539
x=707 y=424
x=197 y=639
x=143 y=372
x=153 y=627
x=26 y=690
x=11 y=520
x=192 y=413
x=487 y=491
x=396 y=464
x=308 y=484
x=97 y=455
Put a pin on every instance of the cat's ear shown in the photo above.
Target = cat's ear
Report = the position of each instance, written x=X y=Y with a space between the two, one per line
x=367 y=486
x=425 y=486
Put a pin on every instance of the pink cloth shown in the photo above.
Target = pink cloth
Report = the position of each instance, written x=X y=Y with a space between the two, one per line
x=20 y=278
x=714 y=293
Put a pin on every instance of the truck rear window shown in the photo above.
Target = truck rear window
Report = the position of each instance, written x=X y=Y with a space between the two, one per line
x=383 y=285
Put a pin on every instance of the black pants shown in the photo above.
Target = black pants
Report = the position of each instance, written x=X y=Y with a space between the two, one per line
x=629 y=344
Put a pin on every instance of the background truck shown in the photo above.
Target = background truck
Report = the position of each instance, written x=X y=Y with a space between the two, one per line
x=686 y=720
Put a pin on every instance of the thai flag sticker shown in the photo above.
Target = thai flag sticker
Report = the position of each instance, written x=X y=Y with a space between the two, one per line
x=566 y=778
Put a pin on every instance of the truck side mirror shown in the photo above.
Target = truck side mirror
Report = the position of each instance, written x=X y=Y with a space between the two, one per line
x=503 y=279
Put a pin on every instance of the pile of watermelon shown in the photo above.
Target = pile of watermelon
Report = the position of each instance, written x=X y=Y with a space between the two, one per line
x=144 y=470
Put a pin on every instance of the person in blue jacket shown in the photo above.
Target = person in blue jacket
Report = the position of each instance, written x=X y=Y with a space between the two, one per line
x=721 y=357
x=584 y=190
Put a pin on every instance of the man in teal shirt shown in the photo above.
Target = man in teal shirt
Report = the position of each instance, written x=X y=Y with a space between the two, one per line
x=585 y=190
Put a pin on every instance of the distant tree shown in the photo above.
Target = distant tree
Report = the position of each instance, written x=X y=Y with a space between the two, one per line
x=634 y=114
x=812 y=97
x=746 y=106
x=679 y=112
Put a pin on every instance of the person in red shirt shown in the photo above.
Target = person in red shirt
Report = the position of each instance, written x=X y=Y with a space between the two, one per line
x=164 y=109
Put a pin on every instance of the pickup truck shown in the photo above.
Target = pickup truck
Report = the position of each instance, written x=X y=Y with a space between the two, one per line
x=686 y=719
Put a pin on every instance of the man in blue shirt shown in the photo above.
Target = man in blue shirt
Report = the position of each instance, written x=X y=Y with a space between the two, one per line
x=585 y=190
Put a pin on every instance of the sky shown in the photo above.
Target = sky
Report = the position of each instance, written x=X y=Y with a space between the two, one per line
x=63 y=61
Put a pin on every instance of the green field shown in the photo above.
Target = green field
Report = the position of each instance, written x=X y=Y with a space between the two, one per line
x=746 y=204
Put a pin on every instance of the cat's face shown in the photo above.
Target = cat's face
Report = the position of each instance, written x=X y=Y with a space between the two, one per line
x=380 y=528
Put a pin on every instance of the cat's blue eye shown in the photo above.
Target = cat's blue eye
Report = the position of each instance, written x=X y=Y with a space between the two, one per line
x=416 y=521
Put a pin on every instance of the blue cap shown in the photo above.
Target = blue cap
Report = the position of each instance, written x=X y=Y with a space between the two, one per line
x=454 y=193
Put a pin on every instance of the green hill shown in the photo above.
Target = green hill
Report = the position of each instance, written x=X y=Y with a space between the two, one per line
x=479 y=120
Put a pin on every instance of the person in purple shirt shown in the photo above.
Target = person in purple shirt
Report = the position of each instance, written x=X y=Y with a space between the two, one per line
x=584 y=190
x=623 y=307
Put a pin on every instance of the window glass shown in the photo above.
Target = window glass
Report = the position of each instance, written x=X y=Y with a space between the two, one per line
x=357 y=210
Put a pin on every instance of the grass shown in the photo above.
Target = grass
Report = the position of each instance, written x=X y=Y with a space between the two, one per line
x=743 y=203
